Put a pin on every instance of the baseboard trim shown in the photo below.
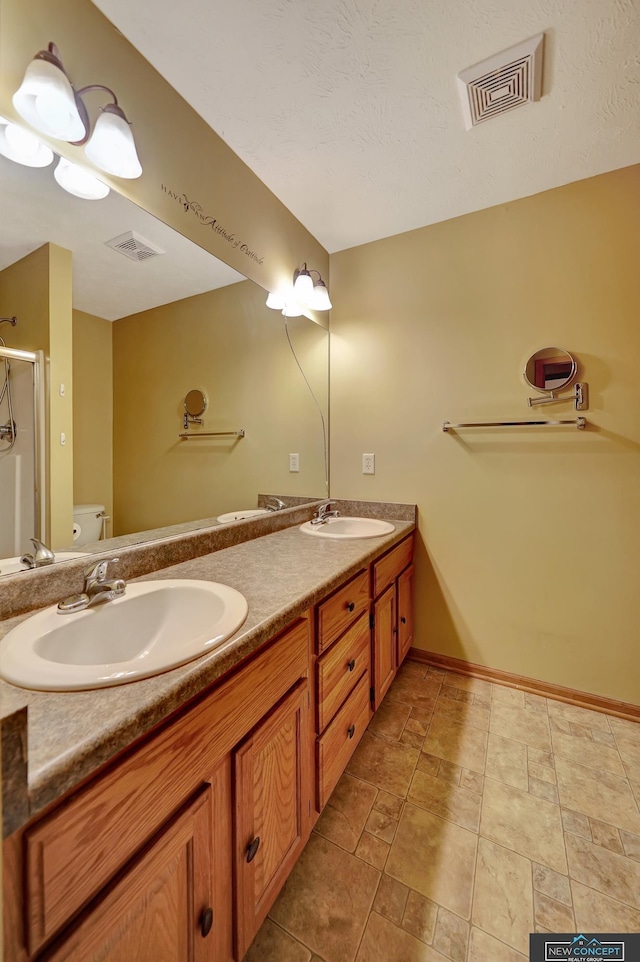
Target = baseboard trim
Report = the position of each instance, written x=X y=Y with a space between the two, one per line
x=582 y=699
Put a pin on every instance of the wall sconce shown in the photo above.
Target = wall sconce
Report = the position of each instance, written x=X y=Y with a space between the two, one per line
x=305 y=294
x=48 y=102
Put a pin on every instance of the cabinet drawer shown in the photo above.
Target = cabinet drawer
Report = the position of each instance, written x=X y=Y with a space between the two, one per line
x=337 y=745
x=342 y=609
x=74 y=851
x=388 y=568
x=338 y=670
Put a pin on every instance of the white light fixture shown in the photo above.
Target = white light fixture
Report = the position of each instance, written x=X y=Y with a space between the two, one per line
x=111 y=146
x=292 y=309
x=303 y=285
x=275 y=300
x=305 y=294
x=79 y=182
x=23 y=147
x=48 y=101
x=319 y=300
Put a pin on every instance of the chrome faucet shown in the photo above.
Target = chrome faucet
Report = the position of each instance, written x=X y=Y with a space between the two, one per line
x=96 y=589
x=274 y=504
x=41 y=555
x=323 y=514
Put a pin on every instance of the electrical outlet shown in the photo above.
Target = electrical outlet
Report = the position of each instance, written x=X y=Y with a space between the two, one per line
x=294 y=462
x=368 y=464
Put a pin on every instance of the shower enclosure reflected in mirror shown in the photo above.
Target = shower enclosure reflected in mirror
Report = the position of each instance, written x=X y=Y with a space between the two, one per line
x=141 y=334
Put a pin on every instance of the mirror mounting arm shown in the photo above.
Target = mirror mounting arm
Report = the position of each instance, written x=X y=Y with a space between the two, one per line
x=580 y=398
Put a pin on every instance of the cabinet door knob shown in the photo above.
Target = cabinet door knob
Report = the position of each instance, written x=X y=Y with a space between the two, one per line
x=351 y=730
x=351 y=664
x=253 y=849
x=403 y=619
x=206 y=921
x=351 y=605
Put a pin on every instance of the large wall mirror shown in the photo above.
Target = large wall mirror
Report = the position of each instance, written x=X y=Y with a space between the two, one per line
x=143 y=332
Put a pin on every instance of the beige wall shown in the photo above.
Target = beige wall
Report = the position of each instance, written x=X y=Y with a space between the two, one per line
x=528 y=548
x=37 y=289
x=92 y=411
x=229 y=345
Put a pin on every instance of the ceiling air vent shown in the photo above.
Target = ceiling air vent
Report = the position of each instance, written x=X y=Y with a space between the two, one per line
x=507 y=80
x=134 y=246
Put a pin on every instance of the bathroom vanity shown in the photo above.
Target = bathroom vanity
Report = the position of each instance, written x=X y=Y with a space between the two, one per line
x=174 y=844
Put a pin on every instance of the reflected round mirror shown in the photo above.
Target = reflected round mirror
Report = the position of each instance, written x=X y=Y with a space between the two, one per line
x=195 y=403
x=550 y=370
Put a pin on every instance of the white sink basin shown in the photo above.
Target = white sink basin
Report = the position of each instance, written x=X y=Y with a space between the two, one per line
x=349 y=528
x=241 y=515
x=155 y=626
x=9 y=566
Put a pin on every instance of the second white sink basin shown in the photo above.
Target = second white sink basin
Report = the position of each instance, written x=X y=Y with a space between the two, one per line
x=349 y=528
x=155 y=626
x=241 y=515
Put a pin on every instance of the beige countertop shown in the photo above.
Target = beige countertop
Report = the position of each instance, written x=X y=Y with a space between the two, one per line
x=70 y=734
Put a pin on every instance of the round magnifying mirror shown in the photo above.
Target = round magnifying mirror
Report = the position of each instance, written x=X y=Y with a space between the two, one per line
x=195 y=403
x=550 y=370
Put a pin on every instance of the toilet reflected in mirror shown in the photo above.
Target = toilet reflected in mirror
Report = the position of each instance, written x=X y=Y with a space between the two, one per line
x=550 y=370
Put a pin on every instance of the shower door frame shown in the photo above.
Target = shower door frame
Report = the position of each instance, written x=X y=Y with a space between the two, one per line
x=36 y=358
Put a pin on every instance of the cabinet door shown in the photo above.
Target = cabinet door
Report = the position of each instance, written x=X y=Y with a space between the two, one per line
x=156 y=910
x=273 y=808
x=384 y=643
x=405 y=613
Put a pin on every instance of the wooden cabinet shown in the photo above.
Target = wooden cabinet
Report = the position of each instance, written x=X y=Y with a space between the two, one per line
x=385 y=658
x=392 y=615
x=160 y=908
x=342 y=609
x=338 y=742
x=343 y=680
x=272 y=809
x=211 y=809
x=405 y=613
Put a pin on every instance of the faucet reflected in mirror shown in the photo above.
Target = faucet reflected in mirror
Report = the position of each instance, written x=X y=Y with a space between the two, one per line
x=141 y=333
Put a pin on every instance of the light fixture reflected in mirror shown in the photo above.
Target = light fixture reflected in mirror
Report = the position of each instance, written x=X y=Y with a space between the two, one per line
x=305 y=294
x=23 y=147
x=47 y=100
x=79 y=182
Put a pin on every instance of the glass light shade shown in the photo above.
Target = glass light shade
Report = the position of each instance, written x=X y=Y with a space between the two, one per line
x=23 y=147
x=111 y=146
x=79 y=182
x=275 y=300
x=319 y=300
x=292 y=309
x=303 y=287
x=46 y=100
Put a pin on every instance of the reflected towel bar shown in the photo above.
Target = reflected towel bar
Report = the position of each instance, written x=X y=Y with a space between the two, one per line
x=212 y=434
x=579 y=423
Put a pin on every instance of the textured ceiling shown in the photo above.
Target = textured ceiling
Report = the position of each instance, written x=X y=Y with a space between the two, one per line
x=348 y=109
x=34 y=210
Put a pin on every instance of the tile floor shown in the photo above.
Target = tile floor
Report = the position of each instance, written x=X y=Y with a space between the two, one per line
x=470 y=815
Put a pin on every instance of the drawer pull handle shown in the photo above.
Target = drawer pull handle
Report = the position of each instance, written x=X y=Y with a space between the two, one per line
x=351 y=605
x=206 y=921
x=351 y=664
x=403 y=619
x=351 y=730
x=253 y=849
